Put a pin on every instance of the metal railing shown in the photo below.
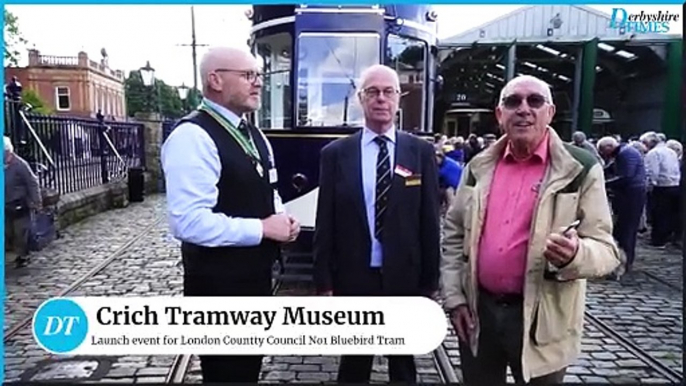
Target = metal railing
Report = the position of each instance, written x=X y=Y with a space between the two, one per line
x=70 y=154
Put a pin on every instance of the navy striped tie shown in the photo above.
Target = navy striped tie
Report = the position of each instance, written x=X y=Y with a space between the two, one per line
x=383 y=185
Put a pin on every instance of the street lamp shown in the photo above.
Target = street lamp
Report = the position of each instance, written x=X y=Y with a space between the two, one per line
x=183 y=91
x=148 y=74
x=183 y=94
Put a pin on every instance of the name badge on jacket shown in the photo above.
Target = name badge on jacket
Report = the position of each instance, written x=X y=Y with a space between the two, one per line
x=413 y=180
x=273 y=176
x=402 y=172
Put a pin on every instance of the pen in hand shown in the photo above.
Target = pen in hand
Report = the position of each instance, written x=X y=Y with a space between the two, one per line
x=571 y=226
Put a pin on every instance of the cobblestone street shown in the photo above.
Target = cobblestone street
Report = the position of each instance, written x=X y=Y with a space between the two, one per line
x=642 y=311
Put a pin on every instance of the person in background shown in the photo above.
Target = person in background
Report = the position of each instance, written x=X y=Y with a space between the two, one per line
x=579 y=140
x=629 y=187
x=449 y=174
x=472 y=147
x=489 y=140
x=643 y=224
x=662 y=170
x=458 y=152
x=682 y=221
x=22 y=197
x=679 y=225
x=677 y=147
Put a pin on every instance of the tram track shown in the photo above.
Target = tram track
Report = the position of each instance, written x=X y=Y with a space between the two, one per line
x=75 y=285
x=181 y=364
x=625 y=339
x=665 y=371
x=661 y=280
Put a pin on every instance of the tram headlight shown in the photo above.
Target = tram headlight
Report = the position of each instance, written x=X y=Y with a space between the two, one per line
x=431 y=15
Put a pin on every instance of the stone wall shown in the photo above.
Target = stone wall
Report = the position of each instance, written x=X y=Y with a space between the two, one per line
x=77 y=206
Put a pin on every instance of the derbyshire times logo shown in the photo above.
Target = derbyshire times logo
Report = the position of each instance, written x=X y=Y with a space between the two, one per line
x=643 y=22
x=60 y=326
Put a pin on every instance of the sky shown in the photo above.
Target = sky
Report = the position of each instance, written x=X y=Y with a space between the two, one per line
x=134 y=34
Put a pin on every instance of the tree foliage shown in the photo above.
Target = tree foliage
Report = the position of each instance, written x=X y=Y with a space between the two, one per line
x=13 y=39
x=39 y=106
x=161 y=98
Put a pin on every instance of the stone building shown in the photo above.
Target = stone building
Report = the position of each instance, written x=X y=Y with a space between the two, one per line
x=74 y=85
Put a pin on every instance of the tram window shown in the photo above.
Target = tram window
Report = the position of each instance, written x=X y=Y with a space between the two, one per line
x=275 y=52
x=329 y=69
x=408 y=57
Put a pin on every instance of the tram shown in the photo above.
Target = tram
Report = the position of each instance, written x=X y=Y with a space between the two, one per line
x=312 y=58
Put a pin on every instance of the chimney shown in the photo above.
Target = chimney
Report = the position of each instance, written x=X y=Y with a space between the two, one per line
x=83 y=59
x=34 y=57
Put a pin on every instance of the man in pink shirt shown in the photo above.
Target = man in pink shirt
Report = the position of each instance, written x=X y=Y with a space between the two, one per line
x=513 y=270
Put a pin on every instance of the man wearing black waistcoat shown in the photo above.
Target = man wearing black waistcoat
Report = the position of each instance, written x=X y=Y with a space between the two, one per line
x=221 y=195
x=377 y=230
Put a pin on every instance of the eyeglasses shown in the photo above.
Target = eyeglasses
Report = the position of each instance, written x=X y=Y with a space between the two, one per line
x=374 y=92
x=250 y=76
x=534 y=101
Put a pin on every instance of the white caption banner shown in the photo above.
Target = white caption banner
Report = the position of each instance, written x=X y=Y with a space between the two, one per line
x=241 y=325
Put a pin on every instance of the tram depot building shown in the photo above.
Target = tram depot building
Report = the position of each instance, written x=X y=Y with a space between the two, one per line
x=605 y=80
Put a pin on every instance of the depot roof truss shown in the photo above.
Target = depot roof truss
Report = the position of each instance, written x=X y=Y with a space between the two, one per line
x=481 y=68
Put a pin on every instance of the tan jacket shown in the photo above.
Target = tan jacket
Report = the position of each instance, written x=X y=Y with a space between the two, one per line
x=557 y=308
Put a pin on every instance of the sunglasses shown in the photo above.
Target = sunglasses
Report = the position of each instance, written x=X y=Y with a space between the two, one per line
x=534 y=101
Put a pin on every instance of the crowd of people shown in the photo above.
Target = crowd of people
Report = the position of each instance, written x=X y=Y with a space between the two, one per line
x=643 y=179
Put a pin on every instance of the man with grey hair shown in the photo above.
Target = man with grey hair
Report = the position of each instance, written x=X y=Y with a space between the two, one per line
x=377 y=230
x=676 y=146
x=579 y=140
x=222 y=200
x=22 y=197
x=530 y=213
x=663 y=173
x=629 y=188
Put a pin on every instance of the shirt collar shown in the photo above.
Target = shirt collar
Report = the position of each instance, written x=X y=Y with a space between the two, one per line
x=224 y=112
x=368 y=135
x=540 y=154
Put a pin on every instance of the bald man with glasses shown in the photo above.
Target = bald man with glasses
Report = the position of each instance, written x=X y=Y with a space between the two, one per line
x=221 y=195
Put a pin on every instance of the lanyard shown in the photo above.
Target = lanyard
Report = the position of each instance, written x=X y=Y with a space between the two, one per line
x=246 y=144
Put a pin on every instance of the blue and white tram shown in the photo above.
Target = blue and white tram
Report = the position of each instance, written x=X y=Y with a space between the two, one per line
x=313 y=57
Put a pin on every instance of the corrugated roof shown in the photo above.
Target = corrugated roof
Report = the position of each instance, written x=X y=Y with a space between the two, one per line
x=531 y=23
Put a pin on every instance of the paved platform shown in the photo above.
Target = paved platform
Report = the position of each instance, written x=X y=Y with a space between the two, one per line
x=645 y=309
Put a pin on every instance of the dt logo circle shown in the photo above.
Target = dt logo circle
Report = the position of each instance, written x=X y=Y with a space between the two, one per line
x=60 y=325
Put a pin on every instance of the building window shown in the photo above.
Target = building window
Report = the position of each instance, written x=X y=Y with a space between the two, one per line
x=63 y=102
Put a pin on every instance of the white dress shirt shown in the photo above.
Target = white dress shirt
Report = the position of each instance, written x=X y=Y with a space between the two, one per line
x=192 y=168
x=662 y=166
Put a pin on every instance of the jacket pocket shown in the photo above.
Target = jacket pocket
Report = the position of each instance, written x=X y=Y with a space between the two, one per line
x=565 y=209
x=559 y=312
